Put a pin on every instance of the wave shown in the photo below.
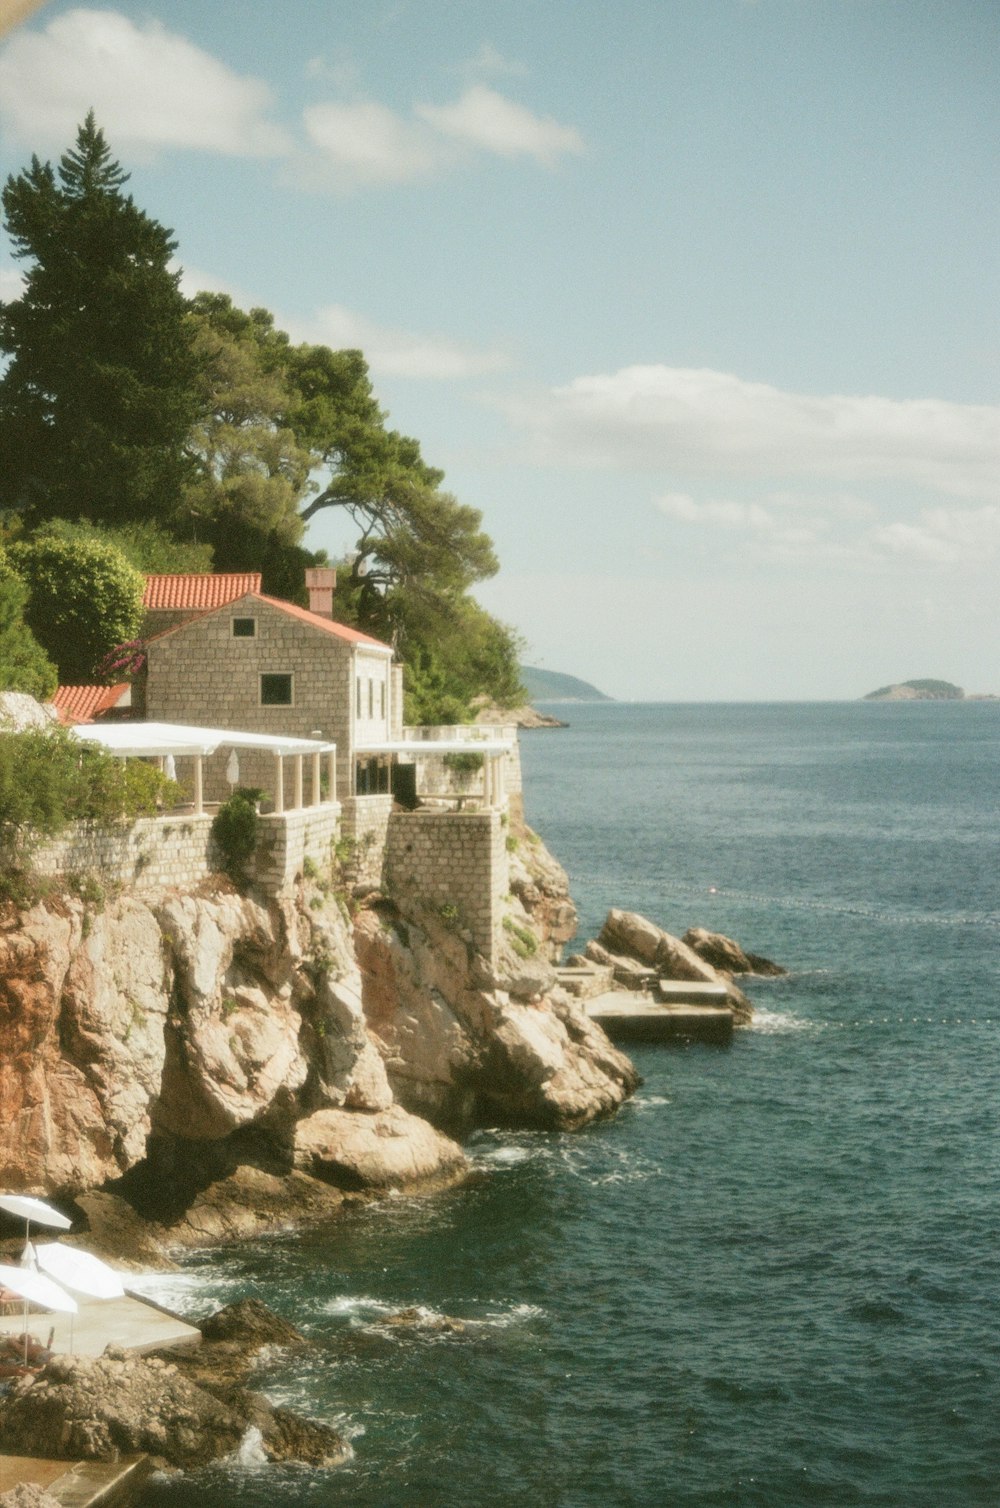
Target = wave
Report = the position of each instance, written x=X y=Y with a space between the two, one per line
x=774 y=1023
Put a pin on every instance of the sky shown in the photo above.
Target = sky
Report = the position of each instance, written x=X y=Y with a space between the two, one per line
x=698 y=301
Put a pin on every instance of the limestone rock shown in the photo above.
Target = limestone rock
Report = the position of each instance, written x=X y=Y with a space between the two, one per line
x=19 y=712
x=390 y=1149
x=460 y=1050
x=540 y=884
x=628 y=932
x=119 y=1405
x=727 y=956
x=28 y=1495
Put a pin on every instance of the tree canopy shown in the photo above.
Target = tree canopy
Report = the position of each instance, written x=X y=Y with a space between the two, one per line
x=83 y=597
x=98 y=398
x=198 y=435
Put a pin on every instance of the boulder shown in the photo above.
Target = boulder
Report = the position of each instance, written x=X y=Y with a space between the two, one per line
x=390 y=1149
x=628 y=932
x=80 y=1408
x=727 y=956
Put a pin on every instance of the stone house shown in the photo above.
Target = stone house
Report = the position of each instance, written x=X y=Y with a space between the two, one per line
x=257 y=663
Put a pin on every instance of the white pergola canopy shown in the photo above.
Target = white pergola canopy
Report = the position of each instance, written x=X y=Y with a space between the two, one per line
x=181 y=740
x=148 y=740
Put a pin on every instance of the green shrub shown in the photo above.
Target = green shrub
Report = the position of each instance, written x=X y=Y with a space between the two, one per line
x=83 y=598
x=463 y=764
x=48 y=779
x=234 y=829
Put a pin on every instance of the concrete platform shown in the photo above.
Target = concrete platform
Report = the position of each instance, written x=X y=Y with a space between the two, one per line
x=130 y=1322
x=79 y=1484
x=631 y=1017
x=691 y=992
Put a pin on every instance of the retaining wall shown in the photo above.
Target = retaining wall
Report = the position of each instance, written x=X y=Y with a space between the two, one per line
x=157 y=853
x=454 y=863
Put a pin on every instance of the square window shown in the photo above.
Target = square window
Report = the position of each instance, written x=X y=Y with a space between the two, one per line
x=244 y=628
x=275 y=690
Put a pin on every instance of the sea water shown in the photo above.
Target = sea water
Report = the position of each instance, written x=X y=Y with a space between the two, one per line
x=773 y=1278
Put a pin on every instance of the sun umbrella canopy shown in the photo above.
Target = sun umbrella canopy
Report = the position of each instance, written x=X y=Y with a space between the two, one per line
x=79 y=1270
x=36 y=1288
x=34 y=1209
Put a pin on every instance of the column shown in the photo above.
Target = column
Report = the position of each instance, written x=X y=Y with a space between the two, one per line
x=199 y=797
x=297 y=802
x=317 y=793
x=279 y=783
x=331 y=765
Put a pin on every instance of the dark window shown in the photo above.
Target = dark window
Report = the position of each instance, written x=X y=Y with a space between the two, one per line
x=275 y=690
x=371 y=698
x=359 y=696
x=382 y=695
x=244 y=628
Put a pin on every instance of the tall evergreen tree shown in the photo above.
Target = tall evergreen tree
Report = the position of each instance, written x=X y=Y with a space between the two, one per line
x=99 y=395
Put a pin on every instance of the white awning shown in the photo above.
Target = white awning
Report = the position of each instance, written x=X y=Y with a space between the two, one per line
x=152 y=739
x=420 y=748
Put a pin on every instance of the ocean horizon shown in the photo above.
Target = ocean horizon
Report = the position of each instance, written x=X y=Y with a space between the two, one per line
x=771 y=1278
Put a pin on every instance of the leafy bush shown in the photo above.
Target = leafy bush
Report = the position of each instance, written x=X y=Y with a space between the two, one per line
x=463 y=764
x=83 y=598
x=48 y=779
x=234 y=829
x=24 y=665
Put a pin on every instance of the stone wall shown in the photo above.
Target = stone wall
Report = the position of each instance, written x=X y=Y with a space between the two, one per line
x=364 y=823
x=154 y=854
x=158 y=853
x=454 y=863
x=286 y=841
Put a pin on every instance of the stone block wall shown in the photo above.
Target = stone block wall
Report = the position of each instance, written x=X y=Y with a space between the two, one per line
x=365 y=822
x=286 y=841
x=455 y=863
x=154 y=854
x=158 y=853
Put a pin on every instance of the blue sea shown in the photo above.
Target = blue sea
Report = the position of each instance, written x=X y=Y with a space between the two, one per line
x=773 y=1278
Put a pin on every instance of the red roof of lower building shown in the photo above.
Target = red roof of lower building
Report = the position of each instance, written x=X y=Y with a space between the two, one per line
x=83 y=704
x=198 y=590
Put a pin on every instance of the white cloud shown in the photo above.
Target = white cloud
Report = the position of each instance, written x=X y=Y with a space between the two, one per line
x=360 y=142
x=149 y=87
x=401 y=353
x=366 y=143
x=701 y=421
x=682 y=508
x=489 y=121
x=489 y=60
x=943 y=536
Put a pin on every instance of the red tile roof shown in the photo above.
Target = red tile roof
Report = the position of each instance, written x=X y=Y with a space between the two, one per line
x=339 y=630
x=198 y=591
x=82 y=704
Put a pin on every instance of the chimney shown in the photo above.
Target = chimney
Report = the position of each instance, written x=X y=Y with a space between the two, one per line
x=320 y=583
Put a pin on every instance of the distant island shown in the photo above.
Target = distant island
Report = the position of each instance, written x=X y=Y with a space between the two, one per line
x=554 y=686
x=925 y=691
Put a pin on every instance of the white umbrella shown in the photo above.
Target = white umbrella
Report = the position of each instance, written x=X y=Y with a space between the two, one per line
x=170 y=768
x=35 y=1288
x=80 y=1270
x=33 y=1209
x=233 y=769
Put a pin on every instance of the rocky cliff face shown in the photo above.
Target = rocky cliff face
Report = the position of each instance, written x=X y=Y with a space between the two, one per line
x=174 y=1039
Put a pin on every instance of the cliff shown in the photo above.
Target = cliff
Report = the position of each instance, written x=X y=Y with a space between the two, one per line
x=226 y=1059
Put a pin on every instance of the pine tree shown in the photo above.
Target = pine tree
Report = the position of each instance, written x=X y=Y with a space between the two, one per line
x=99 y=394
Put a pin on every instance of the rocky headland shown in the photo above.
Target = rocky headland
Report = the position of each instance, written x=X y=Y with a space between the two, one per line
x=190 y=1067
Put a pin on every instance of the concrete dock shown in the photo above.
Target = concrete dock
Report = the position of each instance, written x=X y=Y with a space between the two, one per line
x=630 y=1016
x=79 y=1484
x=129 y=1322
x=136 y=1326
